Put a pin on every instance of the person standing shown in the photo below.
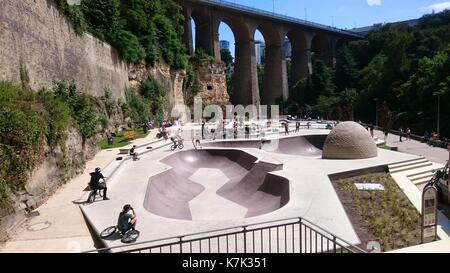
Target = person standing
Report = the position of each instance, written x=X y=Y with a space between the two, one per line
x=110 y=138
x=224 y=130
x=203 y=130
x=408 y=134
x=196 y=141
x=235 y=129
x=297 y=126
x=401 y=134
x=286 y=129
x=372 y=131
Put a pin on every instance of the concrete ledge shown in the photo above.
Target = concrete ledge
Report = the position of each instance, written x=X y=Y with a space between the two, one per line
x=124 y=151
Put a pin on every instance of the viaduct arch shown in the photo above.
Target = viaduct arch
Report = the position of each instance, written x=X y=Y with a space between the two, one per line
x=309 y=42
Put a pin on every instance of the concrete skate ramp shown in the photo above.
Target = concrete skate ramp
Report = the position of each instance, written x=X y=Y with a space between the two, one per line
x=299 y=145
x=247 y=183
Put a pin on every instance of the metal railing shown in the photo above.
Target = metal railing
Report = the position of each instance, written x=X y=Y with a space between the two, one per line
x=273 y=15
x=294 y=235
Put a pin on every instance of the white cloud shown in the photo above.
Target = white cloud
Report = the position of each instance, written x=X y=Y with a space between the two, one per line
x=374 y=2
x=438 y=7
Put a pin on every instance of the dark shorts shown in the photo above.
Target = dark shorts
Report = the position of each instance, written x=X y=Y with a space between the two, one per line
x=129 y=227
x=99 y=186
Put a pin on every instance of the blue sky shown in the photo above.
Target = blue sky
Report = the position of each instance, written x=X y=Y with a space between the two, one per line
x=343 y=13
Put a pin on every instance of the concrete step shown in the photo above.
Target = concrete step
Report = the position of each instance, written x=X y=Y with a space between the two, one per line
x=410 y=167
x=422 y=170
x=419 y=173
x=408 y=163
x=421 y=176
x=422 y=181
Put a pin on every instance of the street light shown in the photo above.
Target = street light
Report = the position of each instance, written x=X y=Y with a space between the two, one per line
x=376 y=112
x=438 y=94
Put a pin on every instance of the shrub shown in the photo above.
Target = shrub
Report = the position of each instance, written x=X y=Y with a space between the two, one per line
x=129 y=135
x=155 y=92
x=136 y=107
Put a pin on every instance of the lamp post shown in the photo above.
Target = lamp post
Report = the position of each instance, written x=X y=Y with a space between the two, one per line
x=438 y=94
x=376 y=112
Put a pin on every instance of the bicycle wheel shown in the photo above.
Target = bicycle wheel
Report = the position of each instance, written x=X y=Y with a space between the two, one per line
x=130 y=237
x=173 y=147
x=91 y=197
x=181 y=146
x=108 y=232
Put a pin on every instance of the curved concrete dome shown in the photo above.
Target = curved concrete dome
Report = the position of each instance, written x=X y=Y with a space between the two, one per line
x=349 y=140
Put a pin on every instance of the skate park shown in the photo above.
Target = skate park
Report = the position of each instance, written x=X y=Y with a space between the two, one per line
x=235 y=183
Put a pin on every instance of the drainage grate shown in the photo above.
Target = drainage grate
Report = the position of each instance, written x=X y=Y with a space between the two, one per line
x=39 y=226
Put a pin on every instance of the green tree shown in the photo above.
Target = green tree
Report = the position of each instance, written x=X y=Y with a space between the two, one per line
x=322 y=79
x=151 y=89
x=128 y=46
x=346 y=74
x=226 y=57
x=172 y=49
x=102 y=17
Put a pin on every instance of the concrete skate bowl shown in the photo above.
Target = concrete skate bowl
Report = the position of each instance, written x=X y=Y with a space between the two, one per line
x=216 y=185
x=309 y=146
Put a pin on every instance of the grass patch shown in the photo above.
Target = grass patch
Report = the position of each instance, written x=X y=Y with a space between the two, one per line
x=123 y=139
x=386 y=147
x=390 y=216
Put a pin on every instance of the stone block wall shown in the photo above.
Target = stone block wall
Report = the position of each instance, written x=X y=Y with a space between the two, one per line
x=34 y=33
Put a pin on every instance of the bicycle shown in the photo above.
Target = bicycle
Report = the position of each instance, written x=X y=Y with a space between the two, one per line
x=177 y=143
x=93 y=194
x=130 y=236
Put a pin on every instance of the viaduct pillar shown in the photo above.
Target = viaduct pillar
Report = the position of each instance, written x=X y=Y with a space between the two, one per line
x=246 y=90
x=187 y=35
x=275 y=74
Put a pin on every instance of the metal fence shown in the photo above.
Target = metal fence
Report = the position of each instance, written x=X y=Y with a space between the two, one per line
x=277 y=16
x=295 y=235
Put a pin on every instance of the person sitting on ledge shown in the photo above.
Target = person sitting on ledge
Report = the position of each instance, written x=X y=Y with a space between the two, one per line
x=127 y=219
x=134 y=154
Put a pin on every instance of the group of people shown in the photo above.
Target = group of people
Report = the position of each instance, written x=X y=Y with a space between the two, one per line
x=148 y=125
x=404 y=133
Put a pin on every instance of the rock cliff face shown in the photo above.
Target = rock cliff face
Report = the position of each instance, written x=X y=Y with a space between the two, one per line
x=172 y=80
x=57 y=166
x=211 y=79
x=35 y=34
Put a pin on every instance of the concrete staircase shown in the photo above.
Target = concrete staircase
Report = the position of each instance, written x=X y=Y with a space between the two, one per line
x=419 y=171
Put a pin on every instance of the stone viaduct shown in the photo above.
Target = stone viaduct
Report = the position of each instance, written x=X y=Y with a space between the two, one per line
x=309 y=41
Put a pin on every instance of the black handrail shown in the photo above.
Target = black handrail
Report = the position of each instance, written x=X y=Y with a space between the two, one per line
x=247 y=242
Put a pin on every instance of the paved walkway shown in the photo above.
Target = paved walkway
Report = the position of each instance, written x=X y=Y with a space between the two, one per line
x=433 y=154
x=67 y=231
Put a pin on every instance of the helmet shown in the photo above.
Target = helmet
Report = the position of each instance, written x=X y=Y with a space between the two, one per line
x=98 y=169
